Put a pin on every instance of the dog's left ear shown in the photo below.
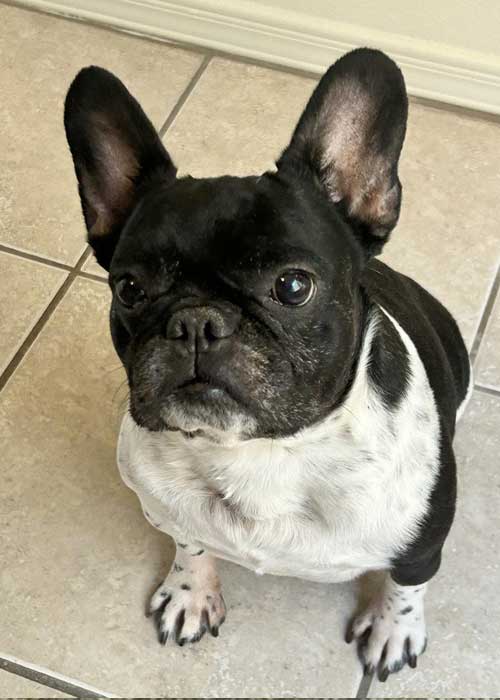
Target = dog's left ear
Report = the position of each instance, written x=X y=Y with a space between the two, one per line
x=349 y=139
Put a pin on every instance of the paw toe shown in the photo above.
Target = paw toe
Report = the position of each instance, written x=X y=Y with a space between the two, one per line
x=159 y=600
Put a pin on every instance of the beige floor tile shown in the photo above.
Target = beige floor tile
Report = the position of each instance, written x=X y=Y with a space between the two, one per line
x=39 y=56
x=26 y=288
x=448 y=237
x=79 y=559
x=93 y=268
x=239 y=117
x=463 y=614
x=487 y=369
x=12 y=686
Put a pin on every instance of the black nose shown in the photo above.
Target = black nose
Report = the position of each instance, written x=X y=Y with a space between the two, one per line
x=200 y=327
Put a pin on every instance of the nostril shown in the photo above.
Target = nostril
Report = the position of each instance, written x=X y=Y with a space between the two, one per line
x=210 y=331
x=177 y=329
x=216 y=328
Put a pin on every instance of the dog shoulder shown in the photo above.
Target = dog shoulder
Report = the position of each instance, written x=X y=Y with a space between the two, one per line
x=432 y=330
x=428 y=440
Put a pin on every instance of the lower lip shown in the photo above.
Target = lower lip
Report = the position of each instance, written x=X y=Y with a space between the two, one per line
x=202 y=388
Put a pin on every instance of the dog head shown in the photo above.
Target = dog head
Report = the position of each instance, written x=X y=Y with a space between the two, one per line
x=237 y=309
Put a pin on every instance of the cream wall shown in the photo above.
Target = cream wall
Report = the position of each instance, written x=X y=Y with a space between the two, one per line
x=463 y=24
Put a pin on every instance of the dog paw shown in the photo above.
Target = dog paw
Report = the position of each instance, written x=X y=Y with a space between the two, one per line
x=185 y=607
x=391 y=632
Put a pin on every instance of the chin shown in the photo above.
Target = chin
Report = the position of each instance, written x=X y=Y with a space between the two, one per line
x=207 y=411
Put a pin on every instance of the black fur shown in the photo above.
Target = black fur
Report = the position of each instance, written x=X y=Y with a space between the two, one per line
x=388 y=362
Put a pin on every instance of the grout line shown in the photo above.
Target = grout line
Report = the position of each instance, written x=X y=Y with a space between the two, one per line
x=262 y=63
x=94 y=278
x=37 y=328
x=34 y=258
x=364 y=687
x=182 y=99
x=485 y=317
x=50 y=679
x=487 y=390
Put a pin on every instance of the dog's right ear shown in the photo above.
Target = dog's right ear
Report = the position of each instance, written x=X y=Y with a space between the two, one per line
x=116 y=152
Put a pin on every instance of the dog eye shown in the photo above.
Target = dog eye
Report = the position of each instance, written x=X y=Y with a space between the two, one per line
x=293 y=288
x=129 y=292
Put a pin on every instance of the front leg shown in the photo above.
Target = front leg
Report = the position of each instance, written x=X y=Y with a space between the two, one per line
x=391 y=631
x=189 y=602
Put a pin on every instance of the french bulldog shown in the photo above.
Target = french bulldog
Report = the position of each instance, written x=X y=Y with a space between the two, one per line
x=293 y=400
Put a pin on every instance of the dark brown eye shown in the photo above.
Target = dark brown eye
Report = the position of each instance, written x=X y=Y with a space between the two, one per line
x=129 y=292
x=293 y=288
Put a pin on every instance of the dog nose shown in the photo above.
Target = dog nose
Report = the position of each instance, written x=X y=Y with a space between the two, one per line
x=200 y=327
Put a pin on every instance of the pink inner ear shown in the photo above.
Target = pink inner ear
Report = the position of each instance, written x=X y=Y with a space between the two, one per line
x=353 y=168
x=110 y=190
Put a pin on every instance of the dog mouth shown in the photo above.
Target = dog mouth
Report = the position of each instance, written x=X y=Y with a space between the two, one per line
x=196 y=404
x=206 y=391
x=201 y=389
x=201 y=406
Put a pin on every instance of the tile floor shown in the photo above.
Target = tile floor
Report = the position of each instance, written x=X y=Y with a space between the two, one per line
x=78 y=559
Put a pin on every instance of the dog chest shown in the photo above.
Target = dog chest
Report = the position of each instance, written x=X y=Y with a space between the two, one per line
x=326 y=509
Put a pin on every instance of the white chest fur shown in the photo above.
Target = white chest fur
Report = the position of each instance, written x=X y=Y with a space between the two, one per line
x=331 y=502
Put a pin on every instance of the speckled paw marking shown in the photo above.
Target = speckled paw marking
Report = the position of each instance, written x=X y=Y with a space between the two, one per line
x=390 y=632
x=185 y=607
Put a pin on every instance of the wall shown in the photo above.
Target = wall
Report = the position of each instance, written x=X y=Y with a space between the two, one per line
x=467 y=25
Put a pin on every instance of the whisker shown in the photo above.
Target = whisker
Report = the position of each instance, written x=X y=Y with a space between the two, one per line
x=120 y=387
x=113 y=369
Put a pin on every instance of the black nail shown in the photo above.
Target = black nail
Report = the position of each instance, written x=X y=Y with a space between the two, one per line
x=363 y=640
x=383 y=675
x=179 y=624
x=407 y=652
x=205 y=622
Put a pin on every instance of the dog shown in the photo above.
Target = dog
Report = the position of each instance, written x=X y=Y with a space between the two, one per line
x=293 y=400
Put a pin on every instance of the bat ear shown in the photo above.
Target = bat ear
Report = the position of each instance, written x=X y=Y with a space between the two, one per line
x=116 y=153
x=350 y=137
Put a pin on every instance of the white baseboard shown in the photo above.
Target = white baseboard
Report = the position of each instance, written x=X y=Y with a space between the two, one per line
x=294 y=39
